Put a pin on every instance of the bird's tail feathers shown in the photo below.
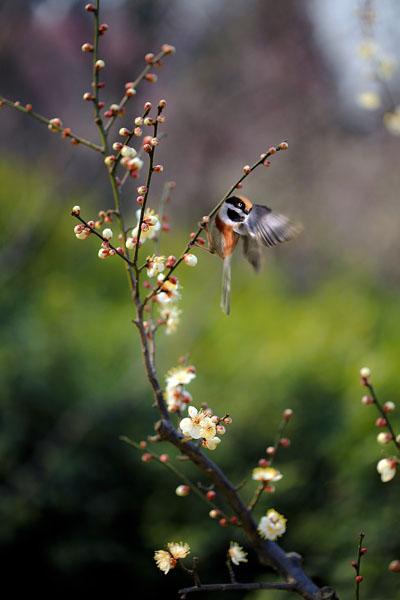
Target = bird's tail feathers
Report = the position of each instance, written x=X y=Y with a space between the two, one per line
x=226 y=286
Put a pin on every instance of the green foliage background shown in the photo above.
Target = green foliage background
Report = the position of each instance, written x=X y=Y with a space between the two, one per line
x=80 y=509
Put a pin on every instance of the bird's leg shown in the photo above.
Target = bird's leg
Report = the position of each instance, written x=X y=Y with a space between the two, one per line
x=199 y=245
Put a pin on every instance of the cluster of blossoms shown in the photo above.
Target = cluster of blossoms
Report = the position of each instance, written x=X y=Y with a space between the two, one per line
x=176 y=396
x=381 y=69
x=386 y=467
x=149 y=228
x=272 y=525
x=167 y=560
x=199 y=425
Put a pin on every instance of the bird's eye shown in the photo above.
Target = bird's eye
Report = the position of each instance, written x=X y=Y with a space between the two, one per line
x=240 y=205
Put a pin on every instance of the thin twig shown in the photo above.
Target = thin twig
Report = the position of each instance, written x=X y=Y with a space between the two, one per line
x=64 y=130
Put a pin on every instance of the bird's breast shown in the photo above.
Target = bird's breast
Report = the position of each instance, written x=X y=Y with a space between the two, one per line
x=224 y=238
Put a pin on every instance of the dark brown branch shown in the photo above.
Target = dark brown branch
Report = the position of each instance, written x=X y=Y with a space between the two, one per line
x=270 y=554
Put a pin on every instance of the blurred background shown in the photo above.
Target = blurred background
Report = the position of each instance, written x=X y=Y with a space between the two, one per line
x=80 y=511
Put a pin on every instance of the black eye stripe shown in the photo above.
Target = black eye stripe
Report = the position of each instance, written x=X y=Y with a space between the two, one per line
x=234 y=216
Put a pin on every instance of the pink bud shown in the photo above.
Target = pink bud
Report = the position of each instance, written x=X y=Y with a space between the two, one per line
x=162 y=104
x=284 y=442
x=168 y=49
x=283 y=146
x=365 y=400
x=137 y=131
x=381 y=422
x=152 y=77
x=164 y=458
x=359 y=578
x=287 y=414
x=90 y=8
x=149 y=58
x=215 y=513
x=143 y=444
x=223 y=522
x=247 y=169
x=270 y=450
x=158 y=168
x=272 y=150
x=211 y=495
x=148 y=106
x=394 y=566
x=263 y=462
x=146 y=457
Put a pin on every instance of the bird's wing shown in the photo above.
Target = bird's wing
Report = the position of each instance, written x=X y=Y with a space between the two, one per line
x=252 y=251
x=268 y=227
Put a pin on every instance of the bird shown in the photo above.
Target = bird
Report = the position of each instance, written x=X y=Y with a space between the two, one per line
x=256 y=225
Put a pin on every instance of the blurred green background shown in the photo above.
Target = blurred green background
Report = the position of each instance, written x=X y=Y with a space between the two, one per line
x=80 y=511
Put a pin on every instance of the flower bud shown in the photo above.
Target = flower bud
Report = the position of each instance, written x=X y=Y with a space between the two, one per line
x=148 y=106
x=228 y=420
x=162 y=104
x=149 y=58
x=109 y=160
x=365 y=400
x=284 y=442
x=148 y=121
x=117 y=146
x=272 y=150
x=88 y=96
x=103 y=28
x=138 y=121
x=211 y=495
x=182 y=490
x=99 y=64
x=263 y=462
x=76 y=210
x=384 y=438
x=146 y=457
x=103 y=253
x=223 y=522
x=359 y=578
x=168 y=49
x=269 y=488
x=287 y=414
x=164 y=458
x=283 y=146
x=270 y=450
x=87 y=47
x=128 y=151
x=90 y=8
x=154 y=141
x=142 y=189
x=152 y=77
x=215 y=513
x=394 y=566
x=365 y=372
x=247 y=169
x=107 y=233
x=190 y=260
x=130 y=92
x=124 y=132
x=137 y=131
x=171 y=260
x=158 y=168
x=221 y=430
x=381 y=422
x=389 y=406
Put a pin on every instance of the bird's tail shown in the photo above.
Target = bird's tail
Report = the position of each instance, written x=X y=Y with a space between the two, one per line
x=226 y=286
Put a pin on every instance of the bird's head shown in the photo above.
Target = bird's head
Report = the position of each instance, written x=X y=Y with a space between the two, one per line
x=235 y=210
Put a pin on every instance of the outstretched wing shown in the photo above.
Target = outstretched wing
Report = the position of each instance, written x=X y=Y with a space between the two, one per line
x=264 y=226
x=270 y=228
